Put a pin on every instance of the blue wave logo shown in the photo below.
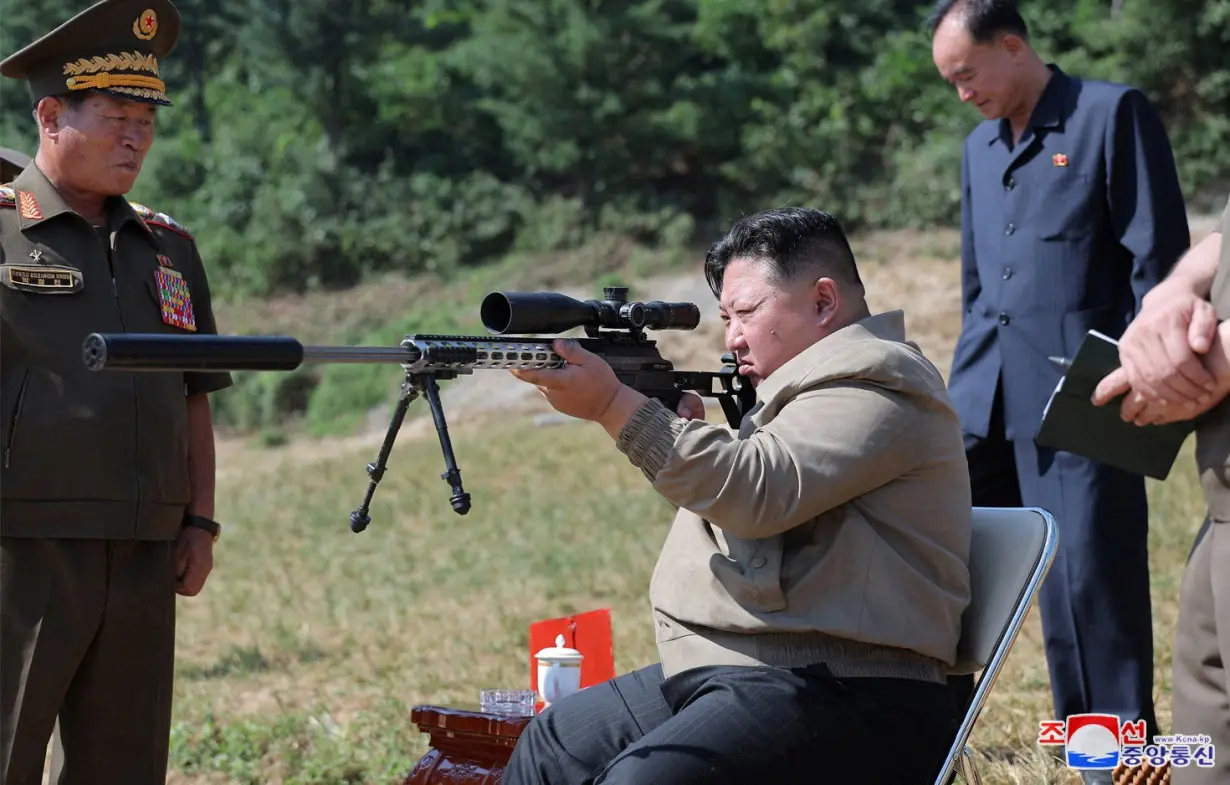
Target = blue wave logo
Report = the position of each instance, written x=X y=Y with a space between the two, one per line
x=1092 y=744
x=1106 y=760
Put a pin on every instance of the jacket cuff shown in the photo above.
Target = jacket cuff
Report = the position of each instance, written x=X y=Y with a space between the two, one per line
x=649 y=436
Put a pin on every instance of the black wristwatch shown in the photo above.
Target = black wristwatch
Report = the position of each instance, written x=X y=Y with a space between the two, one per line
x=201 y=522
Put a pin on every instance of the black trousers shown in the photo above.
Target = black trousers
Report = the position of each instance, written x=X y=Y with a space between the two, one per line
x=739 y=725
x=1095 y=602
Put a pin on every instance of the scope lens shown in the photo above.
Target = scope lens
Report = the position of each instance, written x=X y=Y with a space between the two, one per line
x=496 y=312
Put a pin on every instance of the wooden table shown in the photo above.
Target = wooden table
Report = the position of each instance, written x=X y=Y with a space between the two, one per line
x=467 y=746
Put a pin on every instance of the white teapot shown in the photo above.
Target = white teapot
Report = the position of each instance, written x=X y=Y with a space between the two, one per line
x=559 y=672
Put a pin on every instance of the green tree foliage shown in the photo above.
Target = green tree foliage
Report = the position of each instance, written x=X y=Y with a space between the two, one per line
x=315 y=142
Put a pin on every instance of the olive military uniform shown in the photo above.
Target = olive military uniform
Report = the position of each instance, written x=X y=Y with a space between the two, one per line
x=94 y=478
x=1201 y=682
x=63 y=279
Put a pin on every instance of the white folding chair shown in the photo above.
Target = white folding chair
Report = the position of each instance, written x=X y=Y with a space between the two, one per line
x=1010 y=553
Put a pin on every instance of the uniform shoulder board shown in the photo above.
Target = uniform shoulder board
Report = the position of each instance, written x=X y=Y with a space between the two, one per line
x=159 y=219
x=7 y=197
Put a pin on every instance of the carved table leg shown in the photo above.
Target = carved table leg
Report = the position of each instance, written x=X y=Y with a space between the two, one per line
x=466 y=747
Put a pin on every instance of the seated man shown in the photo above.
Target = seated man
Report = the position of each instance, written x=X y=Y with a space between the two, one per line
x=808 y=598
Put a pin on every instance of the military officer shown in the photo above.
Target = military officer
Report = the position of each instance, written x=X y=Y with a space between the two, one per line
x=11 y=163
x=106 y=479
x=1176 y=366
x=1071 y=212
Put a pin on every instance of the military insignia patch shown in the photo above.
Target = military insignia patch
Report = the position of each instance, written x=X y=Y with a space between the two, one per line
x=28 y=206
x=152 y=218
x=43 y=279
x=164 y=260
x=146 y=25
x=1059 y=159
x=174 y=299
x=7 y=197
x=162 y=219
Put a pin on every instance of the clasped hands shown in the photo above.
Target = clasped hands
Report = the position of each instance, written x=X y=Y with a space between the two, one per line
x=586 y=388
x=1162 y=374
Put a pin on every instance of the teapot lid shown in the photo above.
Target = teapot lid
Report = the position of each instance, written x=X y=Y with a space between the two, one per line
x=559 y=652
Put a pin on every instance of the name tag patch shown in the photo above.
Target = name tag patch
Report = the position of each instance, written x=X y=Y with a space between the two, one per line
x=42 y=278
x=174 y=299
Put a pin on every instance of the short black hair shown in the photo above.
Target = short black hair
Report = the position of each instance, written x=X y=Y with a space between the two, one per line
x=792 y=241
x=984 y=20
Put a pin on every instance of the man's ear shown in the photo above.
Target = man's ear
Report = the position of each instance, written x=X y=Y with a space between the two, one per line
x=1013 y=44
x=50 y=113
x=827 y=298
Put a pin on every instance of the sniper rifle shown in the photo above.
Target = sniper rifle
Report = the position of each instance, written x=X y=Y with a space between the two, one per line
x=615 y=330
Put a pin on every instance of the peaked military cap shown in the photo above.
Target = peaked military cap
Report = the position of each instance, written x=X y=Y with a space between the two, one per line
x=113 y=47
x=11 y=163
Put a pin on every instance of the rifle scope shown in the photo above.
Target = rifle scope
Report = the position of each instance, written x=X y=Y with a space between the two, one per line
x=551 y=312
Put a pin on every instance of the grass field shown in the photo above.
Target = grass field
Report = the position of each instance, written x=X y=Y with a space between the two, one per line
x=300 y=661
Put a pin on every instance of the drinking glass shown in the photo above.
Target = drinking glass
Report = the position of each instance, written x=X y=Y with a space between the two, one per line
x=512 y=703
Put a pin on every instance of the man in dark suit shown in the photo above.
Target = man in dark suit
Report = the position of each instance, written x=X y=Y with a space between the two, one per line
x=1071 y=212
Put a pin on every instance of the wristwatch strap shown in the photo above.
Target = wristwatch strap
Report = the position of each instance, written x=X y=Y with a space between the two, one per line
x=201 y=522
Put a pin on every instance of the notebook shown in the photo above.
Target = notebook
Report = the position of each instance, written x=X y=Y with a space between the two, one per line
x=1071 y=422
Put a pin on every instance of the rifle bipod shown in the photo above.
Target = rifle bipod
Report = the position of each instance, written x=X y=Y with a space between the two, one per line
x=414 y=385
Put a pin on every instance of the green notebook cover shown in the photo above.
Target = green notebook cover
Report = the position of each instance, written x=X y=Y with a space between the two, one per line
x=1071 y=422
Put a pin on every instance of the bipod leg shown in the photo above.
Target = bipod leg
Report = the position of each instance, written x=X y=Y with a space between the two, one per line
x=452 y=475
x=359 y=519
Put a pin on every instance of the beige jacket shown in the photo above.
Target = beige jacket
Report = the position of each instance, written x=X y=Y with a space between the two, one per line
x=834 y=526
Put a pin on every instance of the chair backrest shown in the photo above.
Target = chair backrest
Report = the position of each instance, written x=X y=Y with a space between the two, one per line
x=1009 y=548
x=1011 y=551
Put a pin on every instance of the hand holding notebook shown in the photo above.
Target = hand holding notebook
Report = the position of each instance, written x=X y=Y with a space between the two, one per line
x=1071 y=422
